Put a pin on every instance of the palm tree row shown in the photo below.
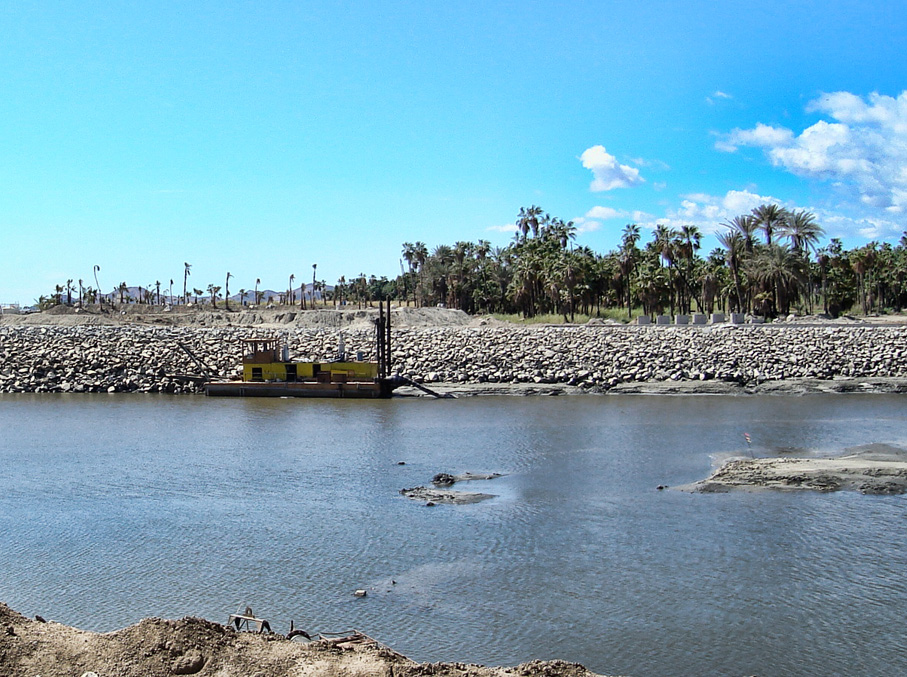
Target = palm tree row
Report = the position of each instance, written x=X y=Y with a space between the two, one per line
x=769 y=263
x=158 y=294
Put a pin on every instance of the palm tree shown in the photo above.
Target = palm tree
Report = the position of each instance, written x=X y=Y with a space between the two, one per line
x=122 y=289
x=630 y=235
x=769 y=217
x=157 y=286
x=802 y=231
x=735 y=248
x=213 y=290
x=527 y=220
x=746 y=226
x=80 y=293
x=341 y=284
x=420 y=253
x=186 y=273
x=314 y=268
x=663 y=243
x=627 y=260
x=197 y=293
x=257 y=282
x=822 y=260
x=781 y=271
x=862 y=261
x=291 y=299
x=69 y=291
x=227 y=291
x=409 y=255
x=95 y=270
x=689 y=243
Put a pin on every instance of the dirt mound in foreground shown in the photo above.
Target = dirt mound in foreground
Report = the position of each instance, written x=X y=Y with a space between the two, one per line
x=194 y=646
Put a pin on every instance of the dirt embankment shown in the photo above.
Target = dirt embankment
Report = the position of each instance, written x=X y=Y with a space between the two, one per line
x=239 y=316
x=193 y=646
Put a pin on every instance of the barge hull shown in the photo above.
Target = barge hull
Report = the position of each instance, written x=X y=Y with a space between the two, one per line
x=338 y=390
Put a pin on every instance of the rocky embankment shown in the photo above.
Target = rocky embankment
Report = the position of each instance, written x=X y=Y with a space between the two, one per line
x=129 y=357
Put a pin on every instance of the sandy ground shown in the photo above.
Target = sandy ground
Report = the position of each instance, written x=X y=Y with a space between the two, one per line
x=872 y=469
x=330 y=317
x=193 y=646
x=283 y=317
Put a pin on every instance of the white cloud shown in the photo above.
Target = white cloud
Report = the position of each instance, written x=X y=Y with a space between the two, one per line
x=605 y=213
x=506 y=228
x=861 y=149
x=717 y=96
x=761 y=135
x=709 y=212
x=839 y=225
x=657 y=165
x=584 y=225
x=607 y=172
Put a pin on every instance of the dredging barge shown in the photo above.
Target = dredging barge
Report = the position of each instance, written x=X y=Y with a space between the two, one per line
x=267 y=371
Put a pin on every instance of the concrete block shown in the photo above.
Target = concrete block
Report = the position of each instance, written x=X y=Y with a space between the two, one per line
x=737 y=318
x=663 y=319
x=643 y=319
x=681 y=319
x=699 y=318
x=717 y=318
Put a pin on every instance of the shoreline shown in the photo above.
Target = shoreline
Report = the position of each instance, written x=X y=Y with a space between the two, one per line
x=877 y=386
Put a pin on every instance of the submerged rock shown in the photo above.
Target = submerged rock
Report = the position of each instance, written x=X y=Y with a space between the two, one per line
x=435 y=496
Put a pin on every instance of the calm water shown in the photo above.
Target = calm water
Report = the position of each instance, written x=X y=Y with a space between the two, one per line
x=113 y=508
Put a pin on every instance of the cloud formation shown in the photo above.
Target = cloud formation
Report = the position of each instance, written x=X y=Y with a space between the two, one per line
x=607 y=172
x=584 y=225
x=593 y=218
x=710 y=212
x=605 y=213
x=718 y=95
x=861 y=148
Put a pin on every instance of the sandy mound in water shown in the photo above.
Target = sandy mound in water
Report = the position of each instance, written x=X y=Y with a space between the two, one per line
x=870 y=469
x=160 y=648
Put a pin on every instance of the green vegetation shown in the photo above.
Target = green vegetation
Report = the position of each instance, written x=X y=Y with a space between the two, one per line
x=769 y=263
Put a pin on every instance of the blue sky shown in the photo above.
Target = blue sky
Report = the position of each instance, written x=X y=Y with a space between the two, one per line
x=260 y=138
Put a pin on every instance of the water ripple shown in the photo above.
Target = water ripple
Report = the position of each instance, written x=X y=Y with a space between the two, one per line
x=199 y=507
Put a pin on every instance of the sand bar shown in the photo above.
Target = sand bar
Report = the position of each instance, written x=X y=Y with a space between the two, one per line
x=872 y=469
